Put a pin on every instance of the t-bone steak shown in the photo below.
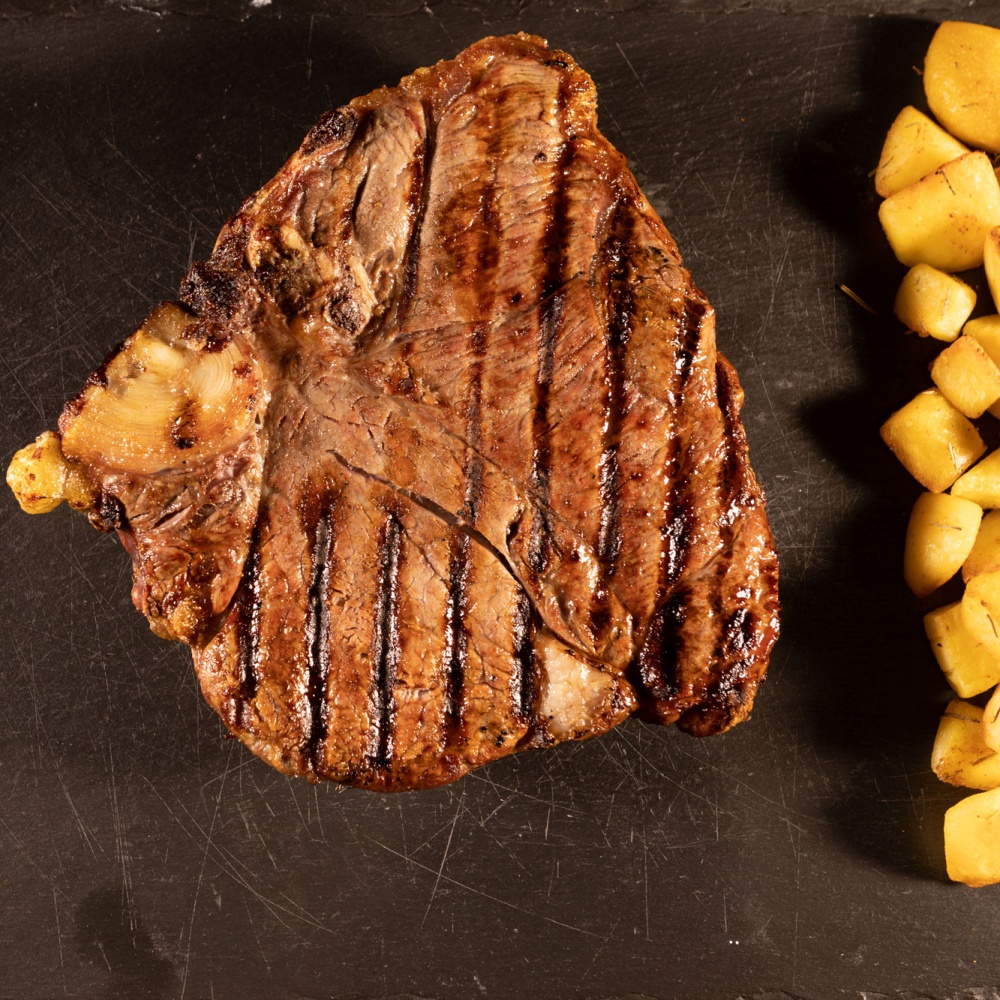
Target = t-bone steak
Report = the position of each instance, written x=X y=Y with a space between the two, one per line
x=434 y=459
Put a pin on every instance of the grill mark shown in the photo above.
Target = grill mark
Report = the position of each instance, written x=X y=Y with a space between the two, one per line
x=456 y=648
x=318 y=641
x=418 y=202
x=457 y=638
x=617 y=333
x=522 y=679
x=730 y=641
x=554 y=251
x=694 y=313
x=678 y=515
x=351 y=212
x=662 y=646
x=248 y=622
x=659 y=654
x=385 y=644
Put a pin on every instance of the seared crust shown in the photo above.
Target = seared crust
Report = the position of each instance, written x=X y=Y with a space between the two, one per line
x=497 y=492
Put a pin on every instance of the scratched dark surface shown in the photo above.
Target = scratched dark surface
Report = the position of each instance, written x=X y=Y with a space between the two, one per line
x=145 y=855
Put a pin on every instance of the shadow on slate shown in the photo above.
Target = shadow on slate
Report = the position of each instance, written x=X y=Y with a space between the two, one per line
x=108 y=935
x=875 y=692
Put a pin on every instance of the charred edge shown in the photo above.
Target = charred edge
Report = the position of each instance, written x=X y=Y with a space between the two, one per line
x=213 y=291
x=419 y=199
x=457 y=639
x=744 y=638
x=522 y=679
x=334 y=126
x=248 y=621
x=108 y=513
x=554 y=250
x=319 y=641
x=662 y=649
x=385 y=642
x=98 y=379
x=619 y=329
x=180 y=429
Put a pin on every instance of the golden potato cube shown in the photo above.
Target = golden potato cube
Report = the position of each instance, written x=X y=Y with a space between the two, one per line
x=944 y=219
x=981 y=483
x=933 y=440
x=970 y=665
x=962 y=82
x=985 y=554
x=967 y=377
x=939 y=538
x=991 y=263
x=972 y=839
x=914 y=146
x=991 y=721
x=933 y=303
x=986 y=329
x=960 y=755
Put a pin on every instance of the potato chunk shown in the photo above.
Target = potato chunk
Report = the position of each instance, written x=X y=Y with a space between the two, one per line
x=986 y=329
x=944 y=219
x=967 y=377
x=991 y=721
x=940 y=536
x=970 y=665
x=960 y=755
x=962 y=82
x=981 y=620
x=933 y=440
x=985 y=554
x=972 y=839
x=914 y=146
x=933 y=303
x=981 y=483
x=991 y=264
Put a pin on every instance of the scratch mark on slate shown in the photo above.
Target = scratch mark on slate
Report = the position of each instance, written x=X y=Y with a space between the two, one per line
x=480 y=892
x=201 y=878
x=444 y=858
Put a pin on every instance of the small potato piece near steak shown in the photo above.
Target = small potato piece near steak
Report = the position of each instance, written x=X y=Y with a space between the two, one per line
x=914 y=147
x=981 y=483
x=985 y=554
x=991 y=721
x=940 y=535
x=933 y=303
x=972 y=839
x=944 y=219
x=962 y=82
x=971 y=663
x=960 y=755
x=967 y=377
x=933 y=440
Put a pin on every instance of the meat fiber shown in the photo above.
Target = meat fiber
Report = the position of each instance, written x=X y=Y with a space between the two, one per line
x=435 y=458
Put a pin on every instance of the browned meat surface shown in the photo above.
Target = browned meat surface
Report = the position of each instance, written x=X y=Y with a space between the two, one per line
x=435 y=458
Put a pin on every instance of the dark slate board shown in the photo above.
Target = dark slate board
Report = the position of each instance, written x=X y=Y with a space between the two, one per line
x=145 y=855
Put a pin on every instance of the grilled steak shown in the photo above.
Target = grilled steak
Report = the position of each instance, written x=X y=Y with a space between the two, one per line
x=435 y=458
